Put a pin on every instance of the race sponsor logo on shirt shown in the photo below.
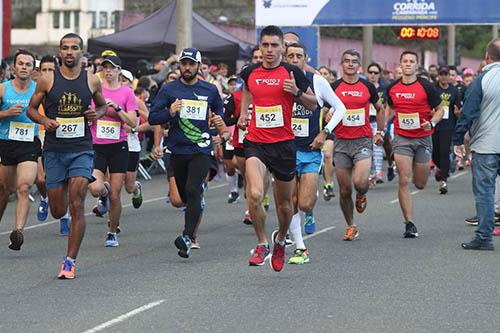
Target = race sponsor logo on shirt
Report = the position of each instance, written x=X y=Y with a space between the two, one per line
x=405 y=95
x=352 y=93
x=268 y=82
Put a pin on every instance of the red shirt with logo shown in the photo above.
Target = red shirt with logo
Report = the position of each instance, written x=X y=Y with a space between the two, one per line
x=356 y=98
x=237 y=141
x=272 y=106
x=412 y=104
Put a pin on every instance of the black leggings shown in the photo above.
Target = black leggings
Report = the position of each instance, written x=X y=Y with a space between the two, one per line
x=441 y=145
x=190 y=172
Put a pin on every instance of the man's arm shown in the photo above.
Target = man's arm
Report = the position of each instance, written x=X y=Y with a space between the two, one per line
x=159 y=113
x=246 y=99
x=14 y=110
x=471 y=110
x=35 y=101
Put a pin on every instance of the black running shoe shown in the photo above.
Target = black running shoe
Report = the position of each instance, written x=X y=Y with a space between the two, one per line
x=16 y=240
x=390 y=173
x=410 y=230
x=233 y=197
x=477 y=244
x=472 y=220
x=240 y=181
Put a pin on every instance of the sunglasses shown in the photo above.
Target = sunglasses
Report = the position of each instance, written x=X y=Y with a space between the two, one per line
x=373 y=72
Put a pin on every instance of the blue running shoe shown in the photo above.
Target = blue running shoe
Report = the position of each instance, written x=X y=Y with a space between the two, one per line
x=111 y=240
x=103 y=201
x=310 y=225
x=64 y=225
x=183 y=243
x=43 y=211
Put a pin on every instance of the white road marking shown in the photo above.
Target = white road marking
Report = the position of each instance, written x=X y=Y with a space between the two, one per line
x=397 y=200
x=44 y=224
x=124 y=317
x=319 y=232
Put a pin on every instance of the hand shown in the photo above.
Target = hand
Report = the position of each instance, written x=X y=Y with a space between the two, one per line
x=217 y=121
x=127 y=128
x=318 y=141
x=290 y=86
x=426 y=126
x=243 y=123
x=50 y=124
x=15 y=110
x=328 y=116
x=456 y=111
x=378 y=139
x=90 y=115
x=157 y=152
x=175 y=107
x=459 y=151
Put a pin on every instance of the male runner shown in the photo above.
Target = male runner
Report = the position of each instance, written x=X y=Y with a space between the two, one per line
x=354 y=138
x=417 y=111
x=272 y=88
x=19 y=143
x=68 y=152
x=187 y=104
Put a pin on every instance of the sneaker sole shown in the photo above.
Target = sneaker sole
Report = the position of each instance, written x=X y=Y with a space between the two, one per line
x=299 y=263
x=64 y=277
x=183 y=250
x=111 y=245
x=261 y=264
x=16 y=240
x=137 y=204
x=310 y=231
x=410 y=235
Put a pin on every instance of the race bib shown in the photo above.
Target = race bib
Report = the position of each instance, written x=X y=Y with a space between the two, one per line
x=354 y=117
x=108 y=130
x=21 y=131
x=229 y=146
x=446 y=110
x=241 y=135
x=268 y=116
x=373 y=111
x=195 y=110
x=70 y=128
x=409 y=121
x=300 y=127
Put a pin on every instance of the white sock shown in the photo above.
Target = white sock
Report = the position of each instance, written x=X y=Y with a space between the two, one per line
x=44 y=199
x=73 y=261
x=66 y=216
x=296 y=230
x=233 y=182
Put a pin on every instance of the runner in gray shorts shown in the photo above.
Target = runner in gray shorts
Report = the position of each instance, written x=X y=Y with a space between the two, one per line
x=346 y=152
x=418 y=148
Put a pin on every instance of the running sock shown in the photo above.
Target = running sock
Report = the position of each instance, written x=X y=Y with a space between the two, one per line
x=263 y=244
x=73 y=261
x=66 y=216
x=310 y=213
x=296 y=230
x=44 y=199
x=233 y=182
x=281 y=242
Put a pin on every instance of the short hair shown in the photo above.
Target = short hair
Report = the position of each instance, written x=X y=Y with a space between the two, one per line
x=206 y=61
x=324 y=67
x=272 y=30
x=297 y=45
x=72 y=35
x=453 y=68
x=376 y=65
x=292 y=33
x=48 y=58
x=24 y=52
x=433 y=66
x=493 y=49
x=408 y=52
x=255 y=48
x=352 y=52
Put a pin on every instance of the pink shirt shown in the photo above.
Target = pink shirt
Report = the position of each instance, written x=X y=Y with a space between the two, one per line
x=110 y=128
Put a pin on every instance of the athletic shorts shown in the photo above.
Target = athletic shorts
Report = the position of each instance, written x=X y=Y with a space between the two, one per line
x=240 y=152
x=113 y=156
x=15 y=152
x=60 y=166
x=278 y=157
x=308 y=162
x=227 y=154
x=420 y=149
x=347 y=152
x=133 y=161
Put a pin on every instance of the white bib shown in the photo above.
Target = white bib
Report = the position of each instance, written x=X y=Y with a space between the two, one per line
x=195 y=110
x=409 y=121
x=373 y=111
x=241 y=135
x=229 y=146
x=354 y=118
x=300 y=127
x=21 y=131
x=446 y=110
x=268 y=116
x=108 y=130
x=70 y=128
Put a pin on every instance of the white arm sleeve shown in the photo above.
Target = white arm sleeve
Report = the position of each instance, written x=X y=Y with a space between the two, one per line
x=325 y=93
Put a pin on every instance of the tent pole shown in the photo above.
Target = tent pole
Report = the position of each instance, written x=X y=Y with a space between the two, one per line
x=184 y=20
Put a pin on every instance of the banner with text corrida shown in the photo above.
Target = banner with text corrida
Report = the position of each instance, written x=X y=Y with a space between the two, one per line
x=376 y=12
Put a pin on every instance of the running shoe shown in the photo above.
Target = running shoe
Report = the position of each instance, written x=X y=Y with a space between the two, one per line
x=301 y=256
x=278 y=256
x=351 y=233
x=183 y=243
x=371 y=181
x=111 y=240
x=390 y=173
x=67 y=270
x=378 y=178
x=137 y=195
x=477 y=244
x=497 y=219
x=310 y=225
x=496 y=232
x=288 y=240
x=259 y=255
x=467 y=162
x=460 y=164
x=328 y=192
x=16 y=240
x=361 y=203
x=472 y=221
x=64 y=225
x=240 y=181
x=437 y=175
x=43 y=211
x=265 y=202
x=195 y=245
x=233 y=197
x=247 y=219
x=118 y=230
x=103 y=201
x=96 y=211
x=443 y=188
x=410 y=230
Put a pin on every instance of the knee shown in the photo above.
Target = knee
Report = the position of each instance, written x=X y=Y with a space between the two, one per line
x=114 y=196
x=306 y=206
x=285 y=206
x=419 y=184
x=327 y=155
x=23 y=189
x=76 y=207
x=255 y=196
x=345 y=192
x=193 y=191
x=361 y=186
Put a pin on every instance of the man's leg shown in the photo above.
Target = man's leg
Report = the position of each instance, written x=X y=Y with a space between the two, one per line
x=284 y=205
x=360 y=174
x=405 y=165
x=26 y=175
x=115 y=207
x=7 y=185
x=344 y=177
x=255 y=171
x=328 y=169
x=77 y=187
x=307 y=191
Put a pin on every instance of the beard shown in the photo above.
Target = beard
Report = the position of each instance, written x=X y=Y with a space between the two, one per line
x=71 y=64
x=187 y=76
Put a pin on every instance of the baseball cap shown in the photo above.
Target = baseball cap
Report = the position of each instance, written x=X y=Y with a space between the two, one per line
x=128 y=75
x=468 y=71
x=190 y=53
x=107 y=53
x=443 y=70
x=113 y=60
x=232 y=78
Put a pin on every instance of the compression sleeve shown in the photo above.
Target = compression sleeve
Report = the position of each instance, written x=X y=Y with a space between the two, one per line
x=324 y=93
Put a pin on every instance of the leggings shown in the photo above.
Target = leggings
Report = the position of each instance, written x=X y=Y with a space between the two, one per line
x=190 y=172
x=441 y=145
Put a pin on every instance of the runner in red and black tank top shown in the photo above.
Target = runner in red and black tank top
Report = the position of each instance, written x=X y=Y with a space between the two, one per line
x=356 y=98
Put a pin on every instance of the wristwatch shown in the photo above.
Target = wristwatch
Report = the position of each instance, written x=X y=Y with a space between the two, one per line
x=299 y=93
x=433 y=125
x=118 y=108
x=133 y=130
x=327 y=131
x=382 y=133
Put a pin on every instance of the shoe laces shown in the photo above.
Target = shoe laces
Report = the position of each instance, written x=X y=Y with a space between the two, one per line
x=259 y=251
x=351 y=231
x=110 y=237
x=68 y=265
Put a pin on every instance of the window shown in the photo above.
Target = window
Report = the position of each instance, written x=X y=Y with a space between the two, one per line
x=94 y=20
x=55 y=19
x=112 y=19
x=67 y=20
x=76 y=19
x=103 y=20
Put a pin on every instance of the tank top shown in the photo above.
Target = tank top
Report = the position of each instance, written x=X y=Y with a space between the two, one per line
x=66 y=102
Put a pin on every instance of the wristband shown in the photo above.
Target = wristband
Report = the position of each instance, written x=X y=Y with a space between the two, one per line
x=118 y=108
x=299 y=93
x=133 y=130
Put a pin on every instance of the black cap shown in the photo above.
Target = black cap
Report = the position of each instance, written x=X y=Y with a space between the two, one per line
x=443 y=70
x=113 y=60
x=190 y=53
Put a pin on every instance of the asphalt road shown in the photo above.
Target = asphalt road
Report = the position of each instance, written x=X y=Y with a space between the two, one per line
x=380 y=283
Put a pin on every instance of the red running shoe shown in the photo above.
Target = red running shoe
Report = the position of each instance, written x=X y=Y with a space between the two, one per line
x=259 y=255
x=278 y=257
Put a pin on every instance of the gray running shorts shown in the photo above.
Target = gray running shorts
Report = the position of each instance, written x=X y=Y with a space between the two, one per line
x=418 y=148
x=346 y=152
